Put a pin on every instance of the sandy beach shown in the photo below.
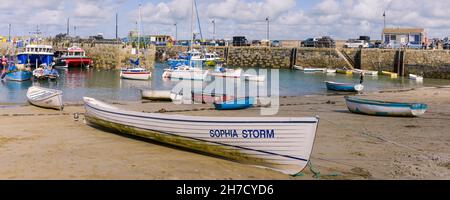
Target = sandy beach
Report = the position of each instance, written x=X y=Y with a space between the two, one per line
x=44 y=144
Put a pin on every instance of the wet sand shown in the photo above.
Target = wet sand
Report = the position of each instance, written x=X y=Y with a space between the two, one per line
x=44 y=144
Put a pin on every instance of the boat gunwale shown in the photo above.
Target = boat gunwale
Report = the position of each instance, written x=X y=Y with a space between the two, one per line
x=412 y=106
x=236 y=120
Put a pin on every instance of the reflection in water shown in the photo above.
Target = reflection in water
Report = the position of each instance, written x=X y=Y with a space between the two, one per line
x=107 y=85
x=13 y=89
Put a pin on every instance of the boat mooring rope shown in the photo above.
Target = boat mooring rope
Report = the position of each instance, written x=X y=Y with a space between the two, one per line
x=316 y=172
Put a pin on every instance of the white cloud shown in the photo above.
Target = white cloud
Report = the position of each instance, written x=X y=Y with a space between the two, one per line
x=289 y=19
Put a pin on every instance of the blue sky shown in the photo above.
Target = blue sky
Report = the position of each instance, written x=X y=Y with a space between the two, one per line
x=290 y=19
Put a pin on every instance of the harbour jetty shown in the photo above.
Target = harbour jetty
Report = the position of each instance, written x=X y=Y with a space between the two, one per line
x=430 y=63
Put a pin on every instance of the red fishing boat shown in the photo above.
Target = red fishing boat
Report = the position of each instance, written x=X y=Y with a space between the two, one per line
x=74 y=57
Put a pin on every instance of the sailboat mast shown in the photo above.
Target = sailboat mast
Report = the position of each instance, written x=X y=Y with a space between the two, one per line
x=139 y=29
x=192 y=24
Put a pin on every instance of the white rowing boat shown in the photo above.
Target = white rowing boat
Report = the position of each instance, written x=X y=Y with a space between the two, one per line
x=415 y=77
x=256 y=78
x=331 y=71
x=156 y=95
x=365 y=72
x=45 y=98
x=283 y=144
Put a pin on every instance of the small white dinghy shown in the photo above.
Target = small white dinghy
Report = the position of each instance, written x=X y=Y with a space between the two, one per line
x=415 y=77
x=45 y=98
x=281 y=143
x=156 y=95
x=255 y=78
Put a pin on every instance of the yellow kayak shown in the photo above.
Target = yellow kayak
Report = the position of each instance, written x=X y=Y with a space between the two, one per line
x=343 y=71
x=392 y=74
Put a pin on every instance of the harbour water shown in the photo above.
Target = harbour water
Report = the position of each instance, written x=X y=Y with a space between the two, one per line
x=107 y=85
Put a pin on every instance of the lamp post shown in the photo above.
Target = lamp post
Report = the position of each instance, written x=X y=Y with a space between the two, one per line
x=214 y=29
x=176 y=31
x=268 y=28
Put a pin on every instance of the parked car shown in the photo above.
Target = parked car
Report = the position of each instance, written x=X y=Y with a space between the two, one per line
x=356 y=44
x=446 y=43
x=393 y=45
x=275 y=43
x=415 y=45
x=326 y=42
x=377 y=44
x=256 y=43
x=310 y=42
x=240 y=41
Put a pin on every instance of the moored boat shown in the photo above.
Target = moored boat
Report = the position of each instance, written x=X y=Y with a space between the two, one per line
x=311 y=69
x=331 y=71
x=227 y=73
x=17 y=72
x=344 y=87
x=283 y=144
x=235 y=104
x=156 y=95
x=45 y=98
x=391 y=74
x=193 y=71
x=365 y=72
x=210 y=98
x=21 y=75
x=36 y=55
x=136 y=73
x=415 y=77
x=255 y=78
x=74 y=57
x=384 y=108
x=344 y=71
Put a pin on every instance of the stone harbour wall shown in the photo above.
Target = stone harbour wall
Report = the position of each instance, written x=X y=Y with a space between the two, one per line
x=112 y=56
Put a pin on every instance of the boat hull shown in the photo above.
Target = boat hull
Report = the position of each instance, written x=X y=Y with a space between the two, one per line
x=255 y=78
x=230 y=74
x=347 y=72
x=76 y=62
x=391 y=74
x=344 y=87
x=415 y=77
x=135 y=75
x=156 y=95
x=235 y=104
x=380 y=108
x=19 y=76
x=283 y=144
x=210 y=98
x=314 y=70
x=188 y=74
x=32 y=58
x=45 y=98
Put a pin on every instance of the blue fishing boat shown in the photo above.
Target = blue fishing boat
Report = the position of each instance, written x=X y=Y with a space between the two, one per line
x=19 y=75
x=36 y=55
x=235 y=104
x=385 y=108
x=344 y=87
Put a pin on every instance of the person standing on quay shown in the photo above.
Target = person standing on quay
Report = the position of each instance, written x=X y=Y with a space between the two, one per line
x=361 y=78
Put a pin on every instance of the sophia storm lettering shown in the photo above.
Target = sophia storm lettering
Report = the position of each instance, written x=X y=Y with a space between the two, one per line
x=246 y=134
